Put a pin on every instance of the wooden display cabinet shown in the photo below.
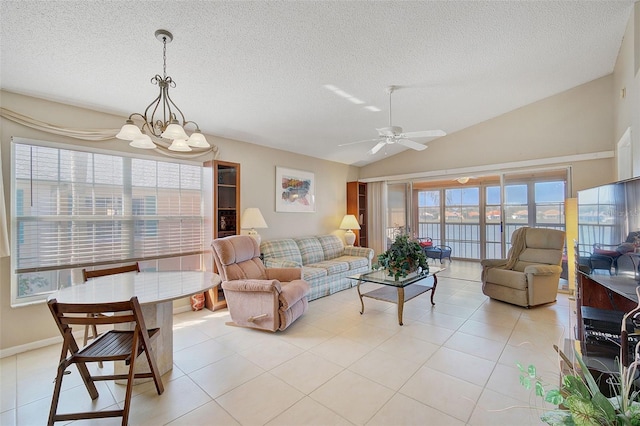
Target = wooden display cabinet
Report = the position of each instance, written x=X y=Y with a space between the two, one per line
x=226 y=215
x=357 y=206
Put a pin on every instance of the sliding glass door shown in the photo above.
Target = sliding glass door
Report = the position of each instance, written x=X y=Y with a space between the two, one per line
x=462 y=221
x=477 y=218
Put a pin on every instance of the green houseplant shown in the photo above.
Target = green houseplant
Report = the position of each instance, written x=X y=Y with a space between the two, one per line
x=405 y=255
x=579 y=398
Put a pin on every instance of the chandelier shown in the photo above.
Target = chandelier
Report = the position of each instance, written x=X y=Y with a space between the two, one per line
x=161 y=116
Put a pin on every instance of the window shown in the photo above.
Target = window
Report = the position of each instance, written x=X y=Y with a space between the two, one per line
x=75 y=209
x=462 y=221
x=478 y=218
x=599 y=214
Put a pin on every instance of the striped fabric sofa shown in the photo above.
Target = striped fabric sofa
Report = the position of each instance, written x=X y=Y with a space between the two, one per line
x=326 y=262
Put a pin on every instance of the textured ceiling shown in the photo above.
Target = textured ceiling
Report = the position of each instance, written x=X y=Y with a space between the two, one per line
x=256 y=71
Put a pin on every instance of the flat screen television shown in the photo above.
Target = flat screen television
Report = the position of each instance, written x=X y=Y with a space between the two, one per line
x=609 y=226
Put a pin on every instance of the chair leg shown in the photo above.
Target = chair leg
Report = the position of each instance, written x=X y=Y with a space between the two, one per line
x=56 y=393
x=130 y=378
x=153 y=366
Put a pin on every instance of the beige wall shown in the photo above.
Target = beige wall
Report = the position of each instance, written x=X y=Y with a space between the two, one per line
x=578 y=121
x=625 y=78
x=258 y=190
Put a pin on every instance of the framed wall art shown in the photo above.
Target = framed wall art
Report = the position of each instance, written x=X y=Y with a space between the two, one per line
x=295 y=190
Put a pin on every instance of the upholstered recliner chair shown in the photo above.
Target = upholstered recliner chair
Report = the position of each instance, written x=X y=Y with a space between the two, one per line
x=257 y=297
x=531 y=273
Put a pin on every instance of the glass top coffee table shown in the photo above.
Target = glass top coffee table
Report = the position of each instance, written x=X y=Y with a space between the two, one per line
x=397 y=291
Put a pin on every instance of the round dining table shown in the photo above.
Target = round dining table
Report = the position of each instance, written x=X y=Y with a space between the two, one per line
x=156 y=292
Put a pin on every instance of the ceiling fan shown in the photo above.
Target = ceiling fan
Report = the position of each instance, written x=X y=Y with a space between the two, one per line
x=394 y=134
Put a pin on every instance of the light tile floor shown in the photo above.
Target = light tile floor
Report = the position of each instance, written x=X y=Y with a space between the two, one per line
x=451 y=364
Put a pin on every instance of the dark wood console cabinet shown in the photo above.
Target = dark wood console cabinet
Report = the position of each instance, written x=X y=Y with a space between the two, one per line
x=606 y=299
x=604 y=291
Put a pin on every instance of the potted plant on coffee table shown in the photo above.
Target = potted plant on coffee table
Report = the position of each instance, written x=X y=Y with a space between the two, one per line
x=405 y=255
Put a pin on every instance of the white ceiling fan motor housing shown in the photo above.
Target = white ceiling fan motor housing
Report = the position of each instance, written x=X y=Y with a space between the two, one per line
x=390 y=131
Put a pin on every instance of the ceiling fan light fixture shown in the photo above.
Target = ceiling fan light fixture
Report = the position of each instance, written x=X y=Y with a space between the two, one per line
x=395 y=135
x=462 y=180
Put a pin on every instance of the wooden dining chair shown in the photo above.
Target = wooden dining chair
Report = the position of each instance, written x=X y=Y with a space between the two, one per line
x=101 y=273
x=114 y=345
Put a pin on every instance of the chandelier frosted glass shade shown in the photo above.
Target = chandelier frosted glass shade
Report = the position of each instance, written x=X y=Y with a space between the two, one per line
x=197 y=140
x=179 y=145
x=129 y=131
x=174 y=131
x=142 y=141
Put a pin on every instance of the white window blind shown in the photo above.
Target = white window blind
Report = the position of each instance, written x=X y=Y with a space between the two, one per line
x=75 y=209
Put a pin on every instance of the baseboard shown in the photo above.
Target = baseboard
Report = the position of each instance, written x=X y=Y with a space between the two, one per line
x=30 y=346
x=15 y=350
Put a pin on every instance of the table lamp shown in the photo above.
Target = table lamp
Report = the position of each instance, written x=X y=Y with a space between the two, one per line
x=252 y=219
x=349 y=222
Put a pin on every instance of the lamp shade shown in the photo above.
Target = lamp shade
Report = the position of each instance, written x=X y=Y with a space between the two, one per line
x=252 y=218
x=349 y=221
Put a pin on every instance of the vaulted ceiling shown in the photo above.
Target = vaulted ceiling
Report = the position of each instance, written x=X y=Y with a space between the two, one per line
x=258 y=71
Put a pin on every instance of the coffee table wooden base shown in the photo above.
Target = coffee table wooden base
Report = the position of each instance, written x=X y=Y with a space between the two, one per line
x=398 y=295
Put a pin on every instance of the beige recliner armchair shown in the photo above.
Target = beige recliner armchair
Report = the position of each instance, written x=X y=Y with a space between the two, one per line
x=257 y=297
x=531 y=273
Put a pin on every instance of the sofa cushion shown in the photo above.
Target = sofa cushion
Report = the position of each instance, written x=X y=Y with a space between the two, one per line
x=331 y=266
x=331 y=246
x=354 y=262
x=310 y=250
x=282 y=249
x=309 y=273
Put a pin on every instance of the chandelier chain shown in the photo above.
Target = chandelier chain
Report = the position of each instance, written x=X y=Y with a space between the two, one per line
x=164 y=56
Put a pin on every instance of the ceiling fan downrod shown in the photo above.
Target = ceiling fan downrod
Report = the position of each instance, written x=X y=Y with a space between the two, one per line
x=390 y=90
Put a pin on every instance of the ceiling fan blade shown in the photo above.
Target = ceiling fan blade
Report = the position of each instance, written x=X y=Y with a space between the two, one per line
x=412 y=144
x=353 y=143
x=378 y=147
x=425 y=134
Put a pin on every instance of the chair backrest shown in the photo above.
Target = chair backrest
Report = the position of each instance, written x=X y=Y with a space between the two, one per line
x=110 y=271
x=67 y=315
x=541 y=246
x=237 y=257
